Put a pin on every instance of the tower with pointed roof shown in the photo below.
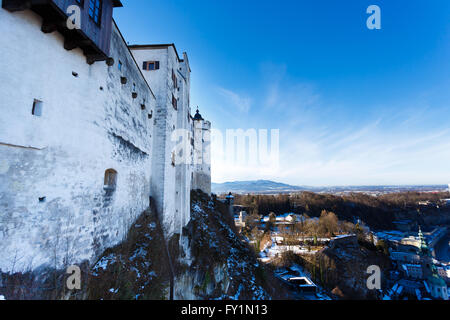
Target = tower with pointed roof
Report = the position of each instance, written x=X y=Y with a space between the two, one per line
x=424 y=250
x=201 y=179
x=437 y=286
x=198 y=116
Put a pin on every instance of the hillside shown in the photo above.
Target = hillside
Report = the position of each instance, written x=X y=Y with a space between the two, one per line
x=271 y=187
x=257 y=186
x=212 y=263
x=209 y=261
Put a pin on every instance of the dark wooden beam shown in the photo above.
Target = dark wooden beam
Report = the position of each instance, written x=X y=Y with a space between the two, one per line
x=70 y=44
x=93 y=57
x=16 y=5
x=49 y=26
x=55 y=20
x=72 y=41
x=110 y=61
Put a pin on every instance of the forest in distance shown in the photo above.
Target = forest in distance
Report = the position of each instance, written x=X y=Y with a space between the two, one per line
x=377 y=212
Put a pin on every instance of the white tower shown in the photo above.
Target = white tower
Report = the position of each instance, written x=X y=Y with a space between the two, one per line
x=169 y=77
x=202 y=154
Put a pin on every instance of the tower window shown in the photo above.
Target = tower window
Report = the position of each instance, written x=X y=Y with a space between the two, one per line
x=174 y=79
x=150 y=65
x=37 y=108
x=173 y=159
x=120 y=65
x=110 y=179
x=95 y=10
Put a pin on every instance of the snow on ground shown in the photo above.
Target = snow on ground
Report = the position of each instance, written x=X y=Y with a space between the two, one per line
x=139 y=253
x=293 y=271
x=275 y=250
x=322 y=296
x=297 y=271
x=218 y=236
x=103 y=263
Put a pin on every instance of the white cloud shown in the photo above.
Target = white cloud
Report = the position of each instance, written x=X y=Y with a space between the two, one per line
x=243 y=104
x=328 y=145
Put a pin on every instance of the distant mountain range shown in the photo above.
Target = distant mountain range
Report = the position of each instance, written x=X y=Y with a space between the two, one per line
x=258 y=186
x=271 y=187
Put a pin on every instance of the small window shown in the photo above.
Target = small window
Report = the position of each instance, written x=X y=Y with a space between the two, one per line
x=174 y=79
x=95 y=10
x=150 y=65
x=119 y=65
x=37 y=108
x=174 y=102
x=110 y=179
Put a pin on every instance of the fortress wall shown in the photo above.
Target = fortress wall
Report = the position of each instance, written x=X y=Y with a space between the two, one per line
x=54 y=209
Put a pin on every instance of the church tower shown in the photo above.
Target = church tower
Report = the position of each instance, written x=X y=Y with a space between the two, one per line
x=202 y=154
x=437 y=286
x=424 y=250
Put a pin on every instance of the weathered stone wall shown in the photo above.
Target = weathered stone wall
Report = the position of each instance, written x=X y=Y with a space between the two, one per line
x=173 y=183
x=202 y=151
x=53 y=206
x=184 y=154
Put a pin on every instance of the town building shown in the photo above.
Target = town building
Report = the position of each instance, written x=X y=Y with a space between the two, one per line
x=433 y=281
x=413 y=270
x=405 y=257
x=423 y=277
x=91 y=130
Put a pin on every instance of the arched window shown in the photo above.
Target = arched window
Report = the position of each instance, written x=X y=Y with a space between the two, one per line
x=110 y=179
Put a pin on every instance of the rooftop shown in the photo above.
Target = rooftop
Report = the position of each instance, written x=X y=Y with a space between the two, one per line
x=157 y=46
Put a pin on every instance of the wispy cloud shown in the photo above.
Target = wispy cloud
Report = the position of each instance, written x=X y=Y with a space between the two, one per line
x=242 y=103
x=396 y=143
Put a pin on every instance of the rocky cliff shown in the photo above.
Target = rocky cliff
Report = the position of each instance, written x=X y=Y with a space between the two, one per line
x=208 y=261
x=342 y=269
x=218 y=264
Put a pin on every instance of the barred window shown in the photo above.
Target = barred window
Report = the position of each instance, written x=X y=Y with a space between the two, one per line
x=150 y=65
x=95 y=10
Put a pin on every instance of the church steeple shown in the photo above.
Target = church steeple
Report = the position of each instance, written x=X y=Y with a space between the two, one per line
x=423 y=249
x=198 y=116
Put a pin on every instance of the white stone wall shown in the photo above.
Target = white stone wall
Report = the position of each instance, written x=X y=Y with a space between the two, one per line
x=184 y=156
x=54 y=210
x=89 y=123
x=159 y=84
x=172 y=188
x=202 y=156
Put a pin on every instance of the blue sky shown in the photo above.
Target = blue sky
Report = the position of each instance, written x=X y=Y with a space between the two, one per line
x=354 y=106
